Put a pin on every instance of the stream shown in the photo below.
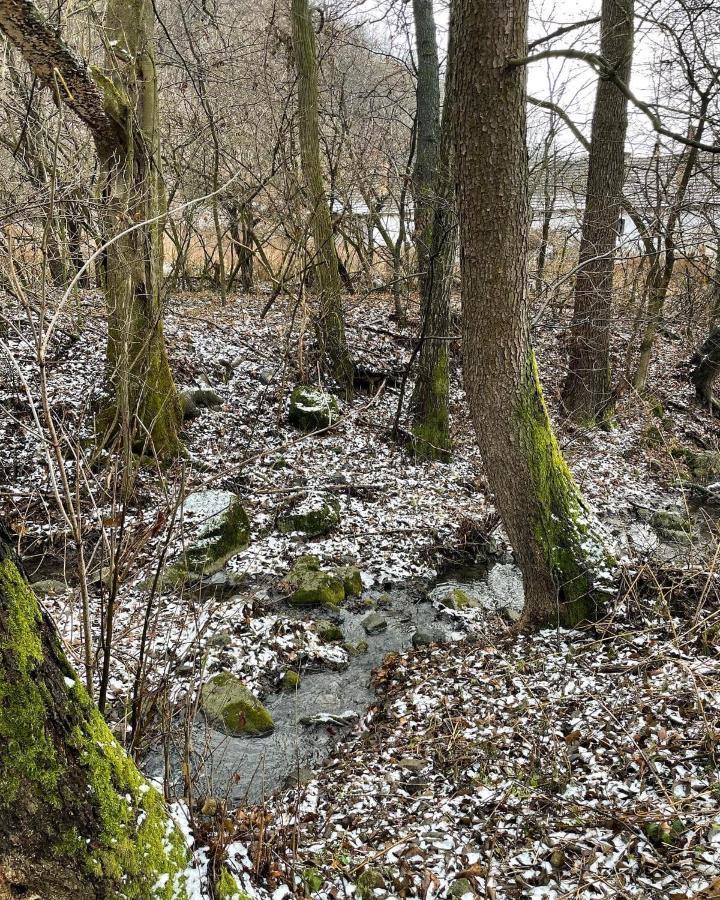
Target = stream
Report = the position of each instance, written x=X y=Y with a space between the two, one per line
x=249 y=769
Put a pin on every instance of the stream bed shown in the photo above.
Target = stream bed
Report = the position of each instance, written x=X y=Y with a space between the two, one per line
x=248 y=769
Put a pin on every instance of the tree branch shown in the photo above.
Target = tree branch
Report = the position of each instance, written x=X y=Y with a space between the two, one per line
x=59 y=68
x=605 y=70
x=562 y=30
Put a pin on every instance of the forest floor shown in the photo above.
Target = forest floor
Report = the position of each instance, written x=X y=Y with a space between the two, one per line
x=567 y=764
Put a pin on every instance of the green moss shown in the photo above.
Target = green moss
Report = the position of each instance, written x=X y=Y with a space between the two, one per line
x=431 y=422
x=318 y=589
x=28 y=755
x=368 y=881
x=231 y=707
x=290 y=681
x=562 y=527
x=351 y=579
x=315 y=522
x=227 y=887
x=312 y=409
x=137 y=852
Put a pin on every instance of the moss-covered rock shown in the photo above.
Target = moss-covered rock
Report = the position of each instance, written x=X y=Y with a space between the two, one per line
x=312 y=409
x=671 y=525
x=367 y=883
x=704 y=465
x=329 y=631
x=290 y=681
x=318 y=589
x=222 y=529
x=351 y=579
x=374 y=623
x=457 y=598
x=314 y=518
x=231 y=707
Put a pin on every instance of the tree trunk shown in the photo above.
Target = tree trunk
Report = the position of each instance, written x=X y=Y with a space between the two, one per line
x=555 y=541
x=77 y=819
x=120 y=108
x=705 y=370
x=427 y=121
x=138 y=367
x=330 y=323
x=587 y=391
x=429 y=404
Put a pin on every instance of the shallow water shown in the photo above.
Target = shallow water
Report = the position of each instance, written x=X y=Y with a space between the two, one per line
x=249 y=769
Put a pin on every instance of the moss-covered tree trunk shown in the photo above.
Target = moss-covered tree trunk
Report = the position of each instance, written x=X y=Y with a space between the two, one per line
x=77 y=819
x=427 y=125
x=119 y=106
x=330 y=323
x=429 y=404
x=137 y=362
x=555 y=543
x=587 y=394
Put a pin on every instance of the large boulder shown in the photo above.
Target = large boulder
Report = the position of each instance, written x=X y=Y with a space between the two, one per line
x=222 y=530
x=313 y=517
x=232 y=708
x=312 y=409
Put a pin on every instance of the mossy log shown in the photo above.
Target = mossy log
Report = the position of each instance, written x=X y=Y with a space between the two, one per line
x=77 y=819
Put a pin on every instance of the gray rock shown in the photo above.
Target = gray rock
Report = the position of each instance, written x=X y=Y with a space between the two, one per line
x=312 y=409
x=461 y=887
x=374 y=623
x=222 y=530
x=50 y=587
x=220 y=640
x=266 y=376
x=342 y=719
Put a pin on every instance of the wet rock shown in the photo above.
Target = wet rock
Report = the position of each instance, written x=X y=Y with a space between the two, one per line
x=290 y=681
x=341 y=719
x=50 y=587
x=329 y=631
x=299 y=778
x=351 y=579
x=312 y=409
x=374 y=623
x=232 y=708
x=672 y=526
x=223 y=529
x=318 y=589
x=457 y=598
x=704 y=465
x=314 y=518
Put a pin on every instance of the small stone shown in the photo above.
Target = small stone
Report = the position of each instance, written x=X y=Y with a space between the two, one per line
x=210 y=806
x=290 y=681
x=557 y=858
x=421 y=639
x=265 y=376
x=351 y=579
x=374 y=623
x=412 y=765
x=329 y=631
x=461 y=887
x=368 y=882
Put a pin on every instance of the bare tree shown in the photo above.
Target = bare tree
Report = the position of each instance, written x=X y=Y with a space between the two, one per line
x=587 y=391
x=550 y=527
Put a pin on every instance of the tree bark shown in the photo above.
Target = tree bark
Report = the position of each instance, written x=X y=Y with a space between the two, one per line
x=429 y=404
x=120 y=108
x=705 y=370
x=330 y=323
x=552 y=532
x=587 y=392
x=427 y=121
x=77 y=819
